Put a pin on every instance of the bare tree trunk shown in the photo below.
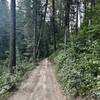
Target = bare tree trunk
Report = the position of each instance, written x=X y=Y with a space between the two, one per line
x=13 y=37
x=85 y=7
x=67 y=10
x=77 y=10
x=42 y=29
x=53 y=24
x=35 y=32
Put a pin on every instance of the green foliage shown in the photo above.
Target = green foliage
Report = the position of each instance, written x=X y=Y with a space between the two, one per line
x=78 y=69
x=7 y=79
x=5 y=96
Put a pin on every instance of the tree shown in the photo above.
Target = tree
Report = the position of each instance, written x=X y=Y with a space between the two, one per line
x=53 y=24
x=13 y=37
x=42 y=30
x=67 y=12
x=77 y=14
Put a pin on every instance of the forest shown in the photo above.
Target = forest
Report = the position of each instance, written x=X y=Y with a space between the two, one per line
x=62 y=34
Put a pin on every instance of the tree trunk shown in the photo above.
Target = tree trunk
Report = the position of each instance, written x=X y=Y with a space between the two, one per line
x=53 y=24
x=77 y=10
x=42 y=29
x=67 y=10
x=35 y=32
x=13 y=37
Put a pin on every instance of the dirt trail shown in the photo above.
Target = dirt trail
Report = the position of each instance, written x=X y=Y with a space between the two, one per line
x=40 y=85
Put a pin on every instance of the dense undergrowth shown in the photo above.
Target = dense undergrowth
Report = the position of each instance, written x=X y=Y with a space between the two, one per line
x=78 y=69
x=8 y=81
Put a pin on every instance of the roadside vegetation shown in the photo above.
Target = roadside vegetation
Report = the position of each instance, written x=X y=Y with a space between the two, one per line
x=78 y=68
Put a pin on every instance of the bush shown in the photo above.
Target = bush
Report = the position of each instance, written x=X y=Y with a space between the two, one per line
x=78 y=69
